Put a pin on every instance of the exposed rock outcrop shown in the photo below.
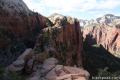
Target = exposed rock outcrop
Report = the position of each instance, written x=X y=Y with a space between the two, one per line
x=19 y=28
x=16 y=18
x=105 y=35
x=59 y=37
x=13 y=7
x=49 y=69
x=64 y=39
x=23 y=27
x=18 y=65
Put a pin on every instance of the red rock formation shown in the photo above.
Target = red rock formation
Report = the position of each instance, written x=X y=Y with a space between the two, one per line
x=16 y=18
x=23 y=27
x=66 y=40
x=71 y=36
x=20 y=23
x=107 y=36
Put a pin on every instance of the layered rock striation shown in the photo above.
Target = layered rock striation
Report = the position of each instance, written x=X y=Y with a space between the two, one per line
x=22 y=23
x=58 y=37
x=19 y=28
x=105 y=35
x=64 y=38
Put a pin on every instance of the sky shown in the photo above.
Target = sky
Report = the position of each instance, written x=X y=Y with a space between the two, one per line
x=82 y=9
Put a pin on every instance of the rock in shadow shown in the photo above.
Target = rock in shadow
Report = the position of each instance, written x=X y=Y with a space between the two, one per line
x=97 y=57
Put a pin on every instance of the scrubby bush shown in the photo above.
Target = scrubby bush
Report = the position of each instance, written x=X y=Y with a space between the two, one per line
x=106 y=73
x=13 y=76
x=1 y=72
x=96 y=45
x=10 y=47
x=101 y=63
x=10 y=75
x=4 y=75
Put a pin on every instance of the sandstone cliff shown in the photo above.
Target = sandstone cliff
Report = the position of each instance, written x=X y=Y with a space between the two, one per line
x=19 y=28
x=107 y=36
x=64 y=39
x=58 y=36
x=16 y=18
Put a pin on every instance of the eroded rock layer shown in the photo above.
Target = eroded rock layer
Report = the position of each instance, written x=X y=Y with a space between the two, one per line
x=105 y=35
x=58 y=37
x=19 y=28
x=64 y=39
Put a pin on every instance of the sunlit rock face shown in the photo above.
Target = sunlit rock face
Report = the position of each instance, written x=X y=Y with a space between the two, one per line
x=107 y=19
x=105 y=35
x=13 y=7
x=64 y=39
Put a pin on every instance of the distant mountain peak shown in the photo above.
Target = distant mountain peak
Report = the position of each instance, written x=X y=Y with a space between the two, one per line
x=108 y=19
x=55 y=14
x=109 y=15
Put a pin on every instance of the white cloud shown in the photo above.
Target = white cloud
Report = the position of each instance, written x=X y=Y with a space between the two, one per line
x=68 y=6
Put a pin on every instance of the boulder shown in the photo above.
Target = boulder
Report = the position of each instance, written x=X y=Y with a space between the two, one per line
x=18 y=65
x=50 y=70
